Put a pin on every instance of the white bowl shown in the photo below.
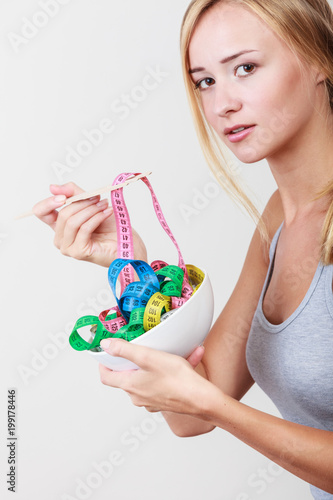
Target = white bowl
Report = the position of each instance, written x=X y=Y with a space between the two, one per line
x=179 y=334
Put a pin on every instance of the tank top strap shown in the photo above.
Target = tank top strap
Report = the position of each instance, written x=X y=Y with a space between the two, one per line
x=272 y=250
x=274 y=241
x=320 y=271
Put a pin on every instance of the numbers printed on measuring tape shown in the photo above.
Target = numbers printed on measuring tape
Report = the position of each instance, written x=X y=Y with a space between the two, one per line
x=161 y=288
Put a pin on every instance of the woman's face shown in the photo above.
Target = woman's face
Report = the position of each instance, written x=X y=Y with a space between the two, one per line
x=249 y=78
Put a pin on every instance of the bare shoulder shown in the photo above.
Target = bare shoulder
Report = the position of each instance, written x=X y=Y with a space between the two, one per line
x=272 y=217
x=273 y=213
x=257 y=259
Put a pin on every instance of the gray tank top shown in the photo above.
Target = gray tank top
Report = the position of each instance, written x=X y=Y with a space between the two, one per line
x=293 y=362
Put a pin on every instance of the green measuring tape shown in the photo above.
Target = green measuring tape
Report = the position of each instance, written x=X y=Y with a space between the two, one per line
x=160 y=290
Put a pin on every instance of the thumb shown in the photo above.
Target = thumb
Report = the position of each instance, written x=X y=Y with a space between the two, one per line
x=69 y=189
x=196 y=356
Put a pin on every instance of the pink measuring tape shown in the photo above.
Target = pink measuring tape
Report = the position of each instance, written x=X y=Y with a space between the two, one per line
x=142 y=304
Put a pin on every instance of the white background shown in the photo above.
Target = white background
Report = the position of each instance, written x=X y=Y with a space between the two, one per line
x=56 y=84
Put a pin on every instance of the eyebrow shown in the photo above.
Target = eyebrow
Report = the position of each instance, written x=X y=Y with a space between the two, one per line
x=224 y=61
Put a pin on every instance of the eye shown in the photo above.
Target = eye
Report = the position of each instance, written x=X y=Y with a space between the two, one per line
x=205 y=83
x=245 y=69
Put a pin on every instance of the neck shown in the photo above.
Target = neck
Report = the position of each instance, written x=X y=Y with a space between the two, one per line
x=305 y=168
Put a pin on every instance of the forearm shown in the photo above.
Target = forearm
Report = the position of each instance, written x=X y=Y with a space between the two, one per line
x=187 y=426
x=169 y=383
x=304 y=451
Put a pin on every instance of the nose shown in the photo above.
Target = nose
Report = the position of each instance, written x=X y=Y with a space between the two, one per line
x=226 y=100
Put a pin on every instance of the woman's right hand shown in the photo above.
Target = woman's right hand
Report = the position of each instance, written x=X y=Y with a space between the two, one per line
x=84 y=230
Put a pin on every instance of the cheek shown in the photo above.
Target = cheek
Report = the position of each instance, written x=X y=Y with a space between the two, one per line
x=207 y=107
x=279 y=106
x=288 y=92
x=213 y=101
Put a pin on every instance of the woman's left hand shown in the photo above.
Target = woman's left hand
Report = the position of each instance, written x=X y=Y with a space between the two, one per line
x=164 y=382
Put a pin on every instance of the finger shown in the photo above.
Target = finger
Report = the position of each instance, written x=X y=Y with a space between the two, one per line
x=86 y=230
x=118 y=380
x=144 y=357
x=69 y=189
x=196 y=356
x=77 y=220
x=46 y=210
x=66 y=213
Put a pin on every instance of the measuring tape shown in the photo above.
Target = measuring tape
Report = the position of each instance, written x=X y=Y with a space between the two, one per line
x=142 y=304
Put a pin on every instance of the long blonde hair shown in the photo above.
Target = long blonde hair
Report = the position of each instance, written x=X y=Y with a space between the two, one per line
x=307 y=28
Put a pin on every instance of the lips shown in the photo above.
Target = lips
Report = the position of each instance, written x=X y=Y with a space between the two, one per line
x=239 y=133
x=236 y=128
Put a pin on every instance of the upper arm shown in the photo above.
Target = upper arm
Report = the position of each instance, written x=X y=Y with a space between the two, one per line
x=224 y=361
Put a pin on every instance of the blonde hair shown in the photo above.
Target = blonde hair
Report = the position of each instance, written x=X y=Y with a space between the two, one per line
x=307 y=28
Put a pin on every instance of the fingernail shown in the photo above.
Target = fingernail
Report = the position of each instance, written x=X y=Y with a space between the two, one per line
x=60 y=198
x=102 y=203
x=108 y=211
x=94 y=198
x=105 y=344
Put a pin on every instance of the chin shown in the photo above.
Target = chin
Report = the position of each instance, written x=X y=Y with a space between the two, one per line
x=249 y=154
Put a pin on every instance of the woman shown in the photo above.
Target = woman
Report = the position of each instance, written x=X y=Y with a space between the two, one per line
x=259 y=76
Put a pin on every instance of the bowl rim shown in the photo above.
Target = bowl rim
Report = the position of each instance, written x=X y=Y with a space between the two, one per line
x=147 y=334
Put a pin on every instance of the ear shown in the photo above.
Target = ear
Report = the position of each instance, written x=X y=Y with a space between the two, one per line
x=320 y=77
